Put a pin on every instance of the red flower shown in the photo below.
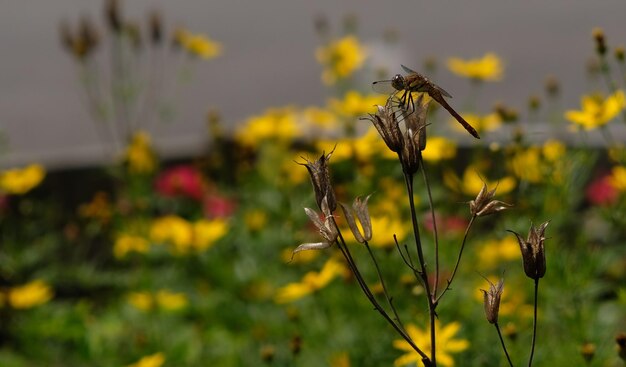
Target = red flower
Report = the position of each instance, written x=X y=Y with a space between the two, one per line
x=601 y=192
x=452 y=225
x=216 y=206
x=183 y=180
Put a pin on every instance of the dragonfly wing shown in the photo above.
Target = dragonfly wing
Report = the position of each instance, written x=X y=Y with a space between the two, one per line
x=408 y=70
x=383 y=87
x=443 y=92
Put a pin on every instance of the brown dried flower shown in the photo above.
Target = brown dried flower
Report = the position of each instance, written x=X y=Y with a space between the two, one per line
x=360 y=209
x=533 y=252
x=491 y=300
x=320 y=178
x=484 y=203
x=326 y=227
x=386 y=122
x=620 y=339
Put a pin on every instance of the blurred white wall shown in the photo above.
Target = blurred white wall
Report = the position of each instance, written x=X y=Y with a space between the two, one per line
x=268 y=60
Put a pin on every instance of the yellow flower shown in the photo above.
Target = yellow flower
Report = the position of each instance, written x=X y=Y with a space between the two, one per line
x=340 y=58
x=617 y=179
x=276 y=124
x=140 y=155
x=384 y=227
x=439 y=148
x=292 y=172
x=489 y=67
x=553 y=150
x=206 y=232
x=320 y=117
x=126 y=243
x=29 y=295
x=20 y=181
x=355 y=104
x=362 y=148
x=493 y=252
x=171 y=301
x=311 y=282
x=597 y=111
x=98 y=208
x=256 y=219
x=154 y=360
x=473 y=181
x=526 y=164
x=198 y=44
x=173 y=230
x=482 y=123
x=141 y=300
x=446 y=344
x=340 y=360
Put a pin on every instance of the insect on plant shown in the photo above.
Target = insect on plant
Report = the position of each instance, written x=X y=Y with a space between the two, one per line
x=415 y=82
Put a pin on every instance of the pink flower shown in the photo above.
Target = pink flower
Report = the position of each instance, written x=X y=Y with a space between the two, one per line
x=183 y=180
x=601 y=192
x=452 y=225
x=216 y=206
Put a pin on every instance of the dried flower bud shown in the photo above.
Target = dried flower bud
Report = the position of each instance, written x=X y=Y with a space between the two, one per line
x=533 y=252
x=598 y=36
x=267 y=353
x=360 y=209
x=326 y=227
x=113 y=15
x=588 y=351
x=552 y=86
x=620 y=339
x=156 y=27
x=88 y=36
x=619 y=54
x=295 y=345
x=491 y=300
x=484 y=203
x=67 y=38
x=386 y=123
x=320 y=178
x=416 y=122
x=534 y=102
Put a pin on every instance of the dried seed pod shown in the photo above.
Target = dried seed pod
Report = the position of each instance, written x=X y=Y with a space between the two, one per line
x=360 y=209
x=491 y=299
x=320 y=178
x=484 y=203
x=156 y=28
x=533 y=251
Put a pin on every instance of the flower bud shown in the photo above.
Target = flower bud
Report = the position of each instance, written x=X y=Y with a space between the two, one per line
x=491 y=300
x=360 y=209
x=598 y=35
x=320 y=178
x=484 y=203
x=113 y=16
x=619 y=54
x=386 y=123
x=533 y=252
x=156 y=28
x=588 y=351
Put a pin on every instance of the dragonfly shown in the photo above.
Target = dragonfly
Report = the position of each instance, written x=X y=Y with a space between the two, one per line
x=416 y=82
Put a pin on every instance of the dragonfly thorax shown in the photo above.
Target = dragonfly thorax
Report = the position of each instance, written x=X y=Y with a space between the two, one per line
x=398 y=82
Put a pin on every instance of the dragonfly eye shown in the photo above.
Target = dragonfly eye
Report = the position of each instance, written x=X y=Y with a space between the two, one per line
x=398 y=82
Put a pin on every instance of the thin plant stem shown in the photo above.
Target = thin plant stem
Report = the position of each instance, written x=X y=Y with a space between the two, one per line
x=432 y=213
x=508 y=358
x=370 y=296
x=382 y=282
x=422 y=263
x=532 y=348
x=458 y=259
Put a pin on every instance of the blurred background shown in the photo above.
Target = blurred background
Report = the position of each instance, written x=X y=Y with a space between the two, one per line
x=269 y=59
x=153 y=180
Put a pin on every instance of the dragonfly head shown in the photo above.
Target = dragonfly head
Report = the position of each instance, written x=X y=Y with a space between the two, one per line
x=398 y=82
